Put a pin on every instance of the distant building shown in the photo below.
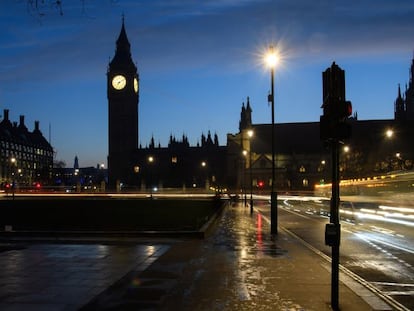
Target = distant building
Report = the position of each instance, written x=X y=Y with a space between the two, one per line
x=130 y=167
x=404 y=105
x=26 y=157
x=182 y=166
x=79 y=179
x=301 y=160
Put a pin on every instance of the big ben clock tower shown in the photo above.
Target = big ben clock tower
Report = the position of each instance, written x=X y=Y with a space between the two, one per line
x=123 y=99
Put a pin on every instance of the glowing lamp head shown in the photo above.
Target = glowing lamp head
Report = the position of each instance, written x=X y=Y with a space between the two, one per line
x=271 y=58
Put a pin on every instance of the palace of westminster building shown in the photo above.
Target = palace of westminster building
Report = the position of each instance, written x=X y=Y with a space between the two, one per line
x=301 y=158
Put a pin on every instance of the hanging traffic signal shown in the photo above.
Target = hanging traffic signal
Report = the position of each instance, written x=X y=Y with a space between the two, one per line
x=336 y=110
x=343 y=128
x=344 y=110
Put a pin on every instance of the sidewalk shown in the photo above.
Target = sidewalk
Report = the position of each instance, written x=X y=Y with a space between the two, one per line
x=238 y=267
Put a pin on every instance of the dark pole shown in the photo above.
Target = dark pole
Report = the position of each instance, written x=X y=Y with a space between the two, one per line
x=14 y=177
x=251 y=179
x=150 y=161
x=333 y=130
x=336 y=225
x=273 y=194
x=244 y=179
x=13 y=186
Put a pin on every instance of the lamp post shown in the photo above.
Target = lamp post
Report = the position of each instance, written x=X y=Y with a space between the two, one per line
x=136 y=169
x=244 y=177
x=250 y=134
x=150 y=161
x=13 y=173
x=390 y=152
x=271 y=61
x=205 y=175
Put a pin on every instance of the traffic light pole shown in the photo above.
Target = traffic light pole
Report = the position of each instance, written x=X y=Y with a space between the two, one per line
x=334 y=129
x=335 y=226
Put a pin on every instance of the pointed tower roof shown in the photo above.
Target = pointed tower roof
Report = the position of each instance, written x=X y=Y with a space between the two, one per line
x=248 y=104
x=122 y=58
x=122 y=43
x=76 y=163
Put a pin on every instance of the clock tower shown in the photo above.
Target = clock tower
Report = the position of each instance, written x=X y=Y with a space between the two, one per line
x=123 y=99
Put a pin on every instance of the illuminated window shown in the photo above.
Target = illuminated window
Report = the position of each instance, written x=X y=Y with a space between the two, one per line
x=174 y=159
x=302 y=169
x=305 y=182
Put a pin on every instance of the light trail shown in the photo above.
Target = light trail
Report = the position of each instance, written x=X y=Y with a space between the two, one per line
x=367 y=237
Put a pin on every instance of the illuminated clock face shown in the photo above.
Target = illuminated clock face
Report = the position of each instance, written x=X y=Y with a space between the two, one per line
x=136 y=85
x=119 y=82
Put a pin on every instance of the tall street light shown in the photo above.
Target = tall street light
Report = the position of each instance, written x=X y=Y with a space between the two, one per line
x=150 y=161
x=271 y=60
x=250 y=134
x=205 y=175
x=13 y=173
x=244 y=177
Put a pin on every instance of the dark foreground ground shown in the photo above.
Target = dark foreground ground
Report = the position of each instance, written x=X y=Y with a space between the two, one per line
x=51 y=214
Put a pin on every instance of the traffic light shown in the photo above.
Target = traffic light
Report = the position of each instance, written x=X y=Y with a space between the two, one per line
x=336 y=110
x=260 y=184
x=344 y=110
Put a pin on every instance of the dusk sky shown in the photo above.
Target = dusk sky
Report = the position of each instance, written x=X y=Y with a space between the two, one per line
x=198 y=61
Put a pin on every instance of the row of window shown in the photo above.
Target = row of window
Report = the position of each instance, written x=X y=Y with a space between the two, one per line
x=11 y=146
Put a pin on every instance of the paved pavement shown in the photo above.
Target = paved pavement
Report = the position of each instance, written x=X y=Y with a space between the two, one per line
x=66 y=276
x=239 y=266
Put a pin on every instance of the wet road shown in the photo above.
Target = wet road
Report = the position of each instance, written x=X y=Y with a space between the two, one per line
x=378 y=251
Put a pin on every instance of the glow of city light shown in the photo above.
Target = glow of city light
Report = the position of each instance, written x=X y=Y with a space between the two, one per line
x=271 y=58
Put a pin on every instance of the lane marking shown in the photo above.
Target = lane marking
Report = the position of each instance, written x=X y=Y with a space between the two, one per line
x=392 y=245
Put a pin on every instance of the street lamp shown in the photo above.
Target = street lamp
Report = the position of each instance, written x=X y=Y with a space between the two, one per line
x=250 y=134
x=244 y=177
x=271 y=60
x=13 y=164
x=389 y=133
x=205 y=175
x=136 y=170
x=150 y=161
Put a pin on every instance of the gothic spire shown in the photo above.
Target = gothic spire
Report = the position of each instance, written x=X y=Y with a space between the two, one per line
x=248 y=104
x=122 y=56
x=122 y=44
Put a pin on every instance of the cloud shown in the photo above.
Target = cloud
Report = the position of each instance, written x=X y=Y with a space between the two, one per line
x=218 y=33
x=227 y=34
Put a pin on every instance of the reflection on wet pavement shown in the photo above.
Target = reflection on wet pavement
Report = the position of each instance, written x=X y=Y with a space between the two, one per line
x=239 y=268
x=65 y=276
